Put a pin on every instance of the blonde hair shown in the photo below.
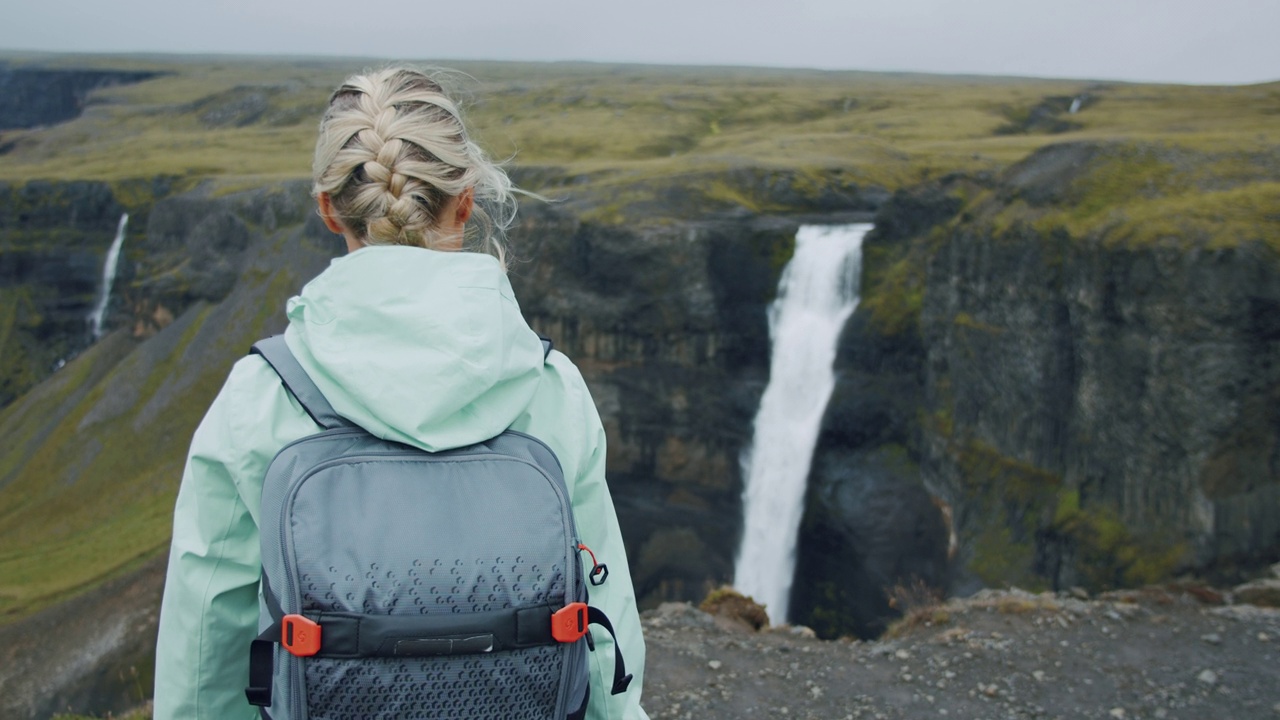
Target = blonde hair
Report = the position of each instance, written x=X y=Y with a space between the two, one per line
x=393 y=150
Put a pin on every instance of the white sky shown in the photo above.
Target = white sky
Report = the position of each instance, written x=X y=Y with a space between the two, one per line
x=1193 y=41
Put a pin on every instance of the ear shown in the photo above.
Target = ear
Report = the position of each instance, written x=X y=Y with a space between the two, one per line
x=466 y=204
x=329 y=215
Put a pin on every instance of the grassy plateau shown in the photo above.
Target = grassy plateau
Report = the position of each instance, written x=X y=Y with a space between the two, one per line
x=77 y=506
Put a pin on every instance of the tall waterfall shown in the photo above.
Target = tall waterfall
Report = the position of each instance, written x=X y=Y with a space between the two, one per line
x=108 y=278
x=817 y=293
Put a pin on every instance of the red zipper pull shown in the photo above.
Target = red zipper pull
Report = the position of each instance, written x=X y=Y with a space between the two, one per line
x=599 y=571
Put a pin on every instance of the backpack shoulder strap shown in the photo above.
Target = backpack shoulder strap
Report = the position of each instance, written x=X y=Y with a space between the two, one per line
x=298 y=383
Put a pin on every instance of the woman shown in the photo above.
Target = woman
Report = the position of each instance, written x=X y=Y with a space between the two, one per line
x=416 y=336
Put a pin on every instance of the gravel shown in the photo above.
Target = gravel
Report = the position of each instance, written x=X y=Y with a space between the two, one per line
x=1007 y=654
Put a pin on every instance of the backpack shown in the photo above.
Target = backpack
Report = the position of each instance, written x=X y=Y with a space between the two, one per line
x=401 y=583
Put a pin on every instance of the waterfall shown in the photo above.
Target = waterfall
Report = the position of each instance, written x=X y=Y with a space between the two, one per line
x=817 y=293
x=1075 y=106
x=108 y=277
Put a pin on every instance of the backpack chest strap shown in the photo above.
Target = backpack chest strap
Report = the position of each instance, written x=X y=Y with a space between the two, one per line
x=354 y=635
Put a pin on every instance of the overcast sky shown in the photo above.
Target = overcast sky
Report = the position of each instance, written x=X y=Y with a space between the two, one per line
x=1193 y=41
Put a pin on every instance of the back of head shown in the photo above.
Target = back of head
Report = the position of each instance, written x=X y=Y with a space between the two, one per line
x=393 y=151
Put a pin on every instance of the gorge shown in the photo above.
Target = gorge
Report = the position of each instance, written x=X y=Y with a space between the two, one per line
x=1060 y=371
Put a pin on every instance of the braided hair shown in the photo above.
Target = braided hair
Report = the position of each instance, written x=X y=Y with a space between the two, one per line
x=393 y=151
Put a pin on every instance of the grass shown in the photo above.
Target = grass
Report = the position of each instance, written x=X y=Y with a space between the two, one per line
x=84 y=496
x=623 y=122
x=1137 y=195
x=918 y=605
x=728 y=602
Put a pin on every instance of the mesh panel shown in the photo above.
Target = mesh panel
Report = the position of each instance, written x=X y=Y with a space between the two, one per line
x=503 y=686
x=432 y=586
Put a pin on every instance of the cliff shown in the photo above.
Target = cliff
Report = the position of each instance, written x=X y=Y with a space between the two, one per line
x=1075 y=358
x=1116 y=379
x=36 y=96
x=53 y=240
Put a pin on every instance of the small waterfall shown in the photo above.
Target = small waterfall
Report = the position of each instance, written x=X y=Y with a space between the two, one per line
x=816 y=295
x=1075 y=106
x=108 y=278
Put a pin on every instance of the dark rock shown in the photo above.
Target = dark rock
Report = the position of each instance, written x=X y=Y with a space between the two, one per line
x=668 y=326
x=54 y=237
x=1263 y=593
x=1106 y=411
x=869 y=526
x=1049 y=116
x=32 y=97
x=195 y=245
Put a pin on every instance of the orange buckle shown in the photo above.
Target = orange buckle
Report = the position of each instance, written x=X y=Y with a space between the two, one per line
x=300 y=636
x=569 y=623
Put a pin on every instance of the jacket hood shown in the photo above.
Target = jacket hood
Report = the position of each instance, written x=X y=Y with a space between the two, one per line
x=418 y=346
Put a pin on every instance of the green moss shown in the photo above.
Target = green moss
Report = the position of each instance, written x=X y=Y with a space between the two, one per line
x=1021 y=506
x=140 y=194
x=23 y=360
x=724 y=192
x=965 y=320
x=1001 y=557
x=1118 y=176
x=829 y=617
x=781 y=252
x=1110 y=555
x=893 y=292
x=1213 y=220
x=1140 y=195
x=942 y=421
x=1015 y=500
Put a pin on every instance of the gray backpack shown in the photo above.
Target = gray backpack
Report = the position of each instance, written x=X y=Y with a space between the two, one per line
x=398 y=583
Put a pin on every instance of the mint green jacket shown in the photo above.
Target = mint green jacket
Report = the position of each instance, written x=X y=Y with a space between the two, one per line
x=421 y=347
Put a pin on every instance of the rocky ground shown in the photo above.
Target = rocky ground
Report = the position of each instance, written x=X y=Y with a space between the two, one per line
x=1154 y=653
x=1188 y=653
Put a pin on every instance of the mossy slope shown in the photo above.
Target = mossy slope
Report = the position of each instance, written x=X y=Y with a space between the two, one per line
x=91 y=459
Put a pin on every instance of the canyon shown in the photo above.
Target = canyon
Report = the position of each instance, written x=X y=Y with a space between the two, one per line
x=1025 y=395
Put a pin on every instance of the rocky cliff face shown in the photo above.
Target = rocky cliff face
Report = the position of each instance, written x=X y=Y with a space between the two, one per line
x=53 y=239
x=668 y=326
x=1126 y=397
x=1086 y=406
x=43 y=96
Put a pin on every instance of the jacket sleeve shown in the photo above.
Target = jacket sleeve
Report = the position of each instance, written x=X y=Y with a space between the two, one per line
x=598 y=528
x=209 y=613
